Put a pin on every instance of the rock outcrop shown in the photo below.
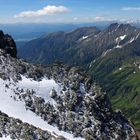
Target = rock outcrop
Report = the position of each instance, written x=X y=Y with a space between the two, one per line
x=8 y=44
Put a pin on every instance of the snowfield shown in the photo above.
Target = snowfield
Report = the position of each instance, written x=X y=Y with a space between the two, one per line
x=16 y=109
x=6 y=138
x=42 y=88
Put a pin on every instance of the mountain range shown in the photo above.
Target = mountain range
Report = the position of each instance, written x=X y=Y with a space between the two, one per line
x=55 y=102
x=111 y=56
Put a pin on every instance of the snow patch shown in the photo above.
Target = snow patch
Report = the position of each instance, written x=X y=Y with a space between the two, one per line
x=137 y=35
x=120 y=68
x=82 y=88
x=118 y=39
x=118 y=46
x=117 y=27
x=107 y=51
x=42 y=88
x=5 y=138
x=132 y=39
x=122 y=37
x=16 y=109
x=84 y=37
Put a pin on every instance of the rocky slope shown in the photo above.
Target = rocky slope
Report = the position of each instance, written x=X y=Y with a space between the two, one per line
x=55 y=102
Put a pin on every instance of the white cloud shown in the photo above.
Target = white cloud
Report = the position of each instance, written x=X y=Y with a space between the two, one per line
x=48 y=10
x=98 y=18
x=75 y=18
x=131 y=8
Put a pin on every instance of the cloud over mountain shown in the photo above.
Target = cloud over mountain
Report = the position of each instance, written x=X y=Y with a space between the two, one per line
x=48 y=10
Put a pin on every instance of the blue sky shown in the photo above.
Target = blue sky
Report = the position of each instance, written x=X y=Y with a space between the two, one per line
x=65 y=11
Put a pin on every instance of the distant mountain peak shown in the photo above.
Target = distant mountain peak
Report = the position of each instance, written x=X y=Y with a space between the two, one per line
x=113 y=25
x=116 y=26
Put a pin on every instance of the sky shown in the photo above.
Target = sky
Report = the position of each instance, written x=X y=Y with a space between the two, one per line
x=68 y=11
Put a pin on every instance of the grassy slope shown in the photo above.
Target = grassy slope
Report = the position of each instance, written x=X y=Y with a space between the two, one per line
x=128 y=93
x=122 y=82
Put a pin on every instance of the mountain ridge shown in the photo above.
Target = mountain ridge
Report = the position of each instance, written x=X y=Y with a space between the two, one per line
x=54 y=101
x=77 y=47
x=111 y=56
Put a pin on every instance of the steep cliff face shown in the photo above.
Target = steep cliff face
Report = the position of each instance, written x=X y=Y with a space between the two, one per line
x=8 y=44
x=44 y=103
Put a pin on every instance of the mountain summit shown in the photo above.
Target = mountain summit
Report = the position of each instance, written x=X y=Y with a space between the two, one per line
x=57 y=102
